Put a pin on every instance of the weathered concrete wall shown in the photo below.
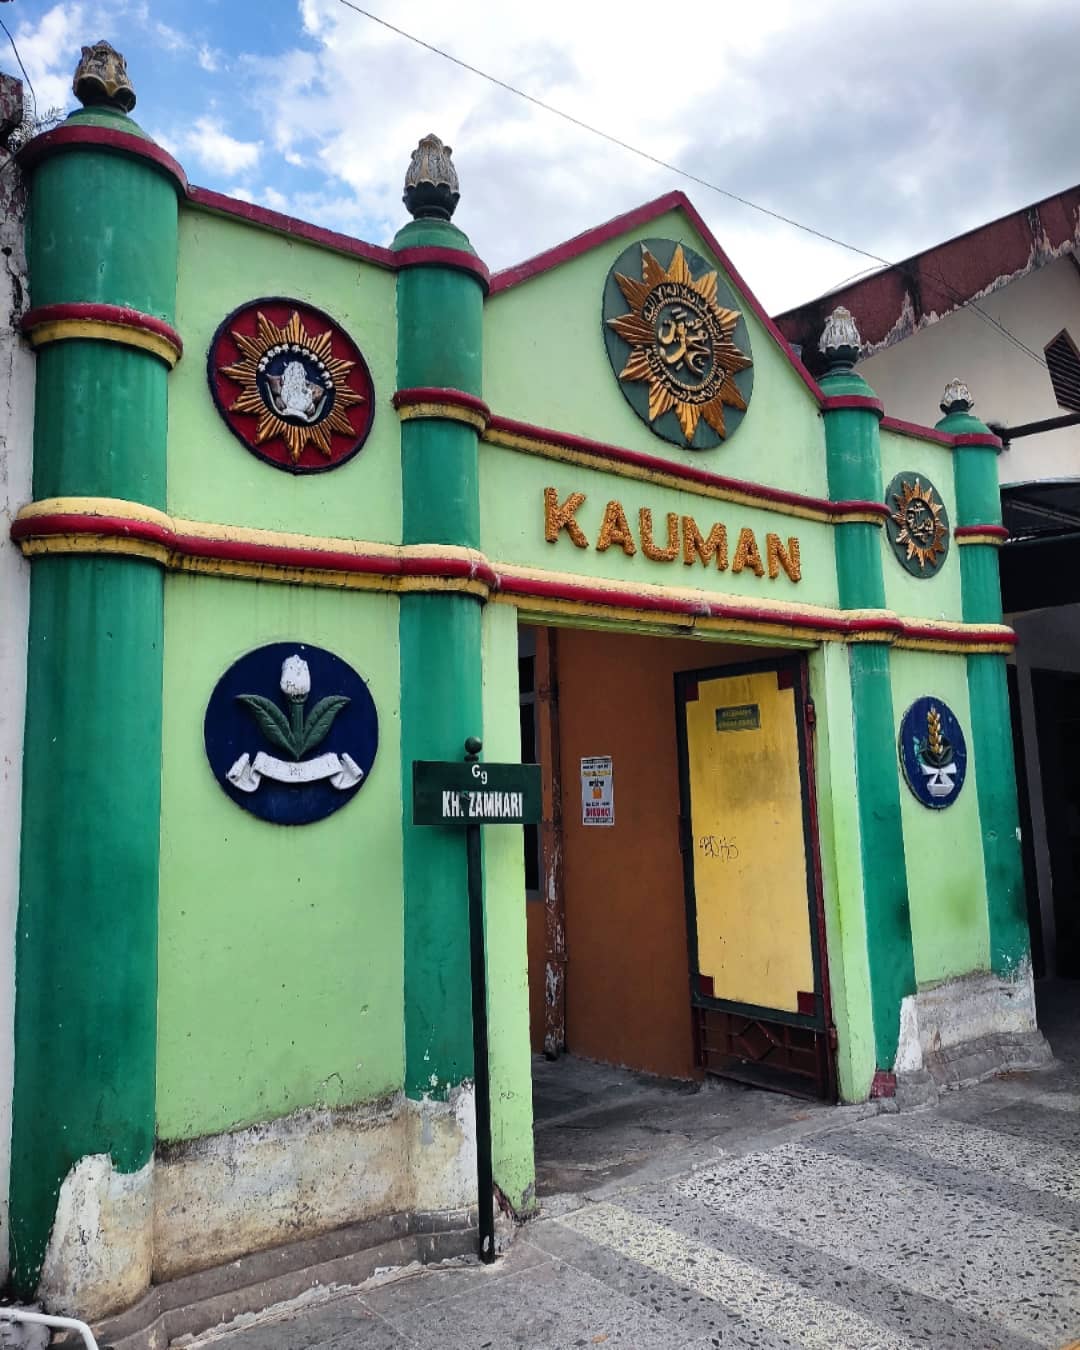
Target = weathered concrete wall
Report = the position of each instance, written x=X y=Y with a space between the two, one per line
x=16 y=439
x=1009 y=387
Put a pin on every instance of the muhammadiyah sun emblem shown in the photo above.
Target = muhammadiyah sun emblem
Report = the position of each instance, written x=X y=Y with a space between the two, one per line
x=301 y=379
x=688 y=351
x=918 y=526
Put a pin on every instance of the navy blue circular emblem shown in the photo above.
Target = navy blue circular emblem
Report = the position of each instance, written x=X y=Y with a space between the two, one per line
x=933 y=753
x=291 y=733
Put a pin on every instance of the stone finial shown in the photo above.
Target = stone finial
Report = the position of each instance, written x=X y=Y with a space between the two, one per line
x=431 y=184
x=840 y=341
x=101 y=78
x=956 y=398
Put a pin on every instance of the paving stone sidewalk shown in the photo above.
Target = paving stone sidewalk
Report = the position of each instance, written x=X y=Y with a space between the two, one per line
x=956 y=1228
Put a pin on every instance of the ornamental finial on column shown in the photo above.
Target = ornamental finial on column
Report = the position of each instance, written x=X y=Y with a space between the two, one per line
x=101 y=78
x=956 y=398
x=840 y=341
x=431 y=183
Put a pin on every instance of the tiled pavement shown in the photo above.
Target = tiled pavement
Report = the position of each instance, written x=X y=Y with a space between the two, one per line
x=957 y=1229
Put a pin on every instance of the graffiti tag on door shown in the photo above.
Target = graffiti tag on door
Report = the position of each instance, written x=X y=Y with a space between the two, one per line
x=723 y=848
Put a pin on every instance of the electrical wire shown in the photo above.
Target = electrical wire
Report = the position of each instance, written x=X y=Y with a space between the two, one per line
x=18 y=58
x=963 y=301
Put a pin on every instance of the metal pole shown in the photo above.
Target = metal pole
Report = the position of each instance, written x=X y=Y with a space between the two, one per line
x=482 y=1088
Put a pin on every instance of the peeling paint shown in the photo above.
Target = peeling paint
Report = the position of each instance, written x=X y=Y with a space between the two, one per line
x=442 y=1150
x=978 y=1007
x=100 y=1250
x=226 y=1195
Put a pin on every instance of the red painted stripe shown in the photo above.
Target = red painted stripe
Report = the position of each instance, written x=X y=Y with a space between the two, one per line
x=978 y=438
x=836 y=402
x=632 y=220
x=102 y=138
x=902 y=428
x=222 y=205
x=593 y=593
x=406 y=398
x=997 y=531
x=619 y=455
x=430 y=256
x=114 y=314
x=238 y=550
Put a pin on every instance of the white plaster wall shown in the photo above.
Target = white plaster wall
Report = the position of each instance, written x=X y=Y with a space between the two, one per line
x=16 y=439
x=1048 y=639
x=1008 y=386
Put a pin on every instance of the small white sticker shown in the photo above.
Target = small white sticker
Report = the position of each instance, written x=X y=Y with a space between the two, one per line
x=597 y=791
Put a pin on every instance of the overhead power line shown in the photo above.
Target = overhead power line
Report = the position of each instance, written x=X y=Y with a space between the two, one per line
x=18 y=58
x=964 y=301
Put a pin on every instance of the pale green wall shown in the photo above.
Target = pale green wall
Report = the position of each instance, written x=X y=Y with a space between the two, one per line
x=943 y=849
x=280 y=957
x=512 y=530
x=545 y=363
x=936 y=597
x=504 y=900
x=211 y=476
x=841 y=867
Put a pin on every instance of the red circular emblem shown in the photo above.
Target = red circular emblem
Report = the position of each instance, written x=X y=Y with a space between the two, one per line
x=291 y=385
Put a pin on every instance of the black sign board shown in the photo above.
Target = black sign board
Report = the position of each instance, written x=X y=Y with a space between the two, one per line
x=449 y=793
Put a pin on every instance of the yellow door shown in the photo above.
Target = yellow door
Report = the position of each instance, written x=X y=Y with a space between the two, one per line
x=748 y=849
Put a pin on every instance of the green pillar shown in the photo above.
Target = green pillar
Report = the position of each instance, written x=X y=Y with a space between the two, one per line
x=102 y=231
x=978 y=503
x=440 y=296
x=852 y=414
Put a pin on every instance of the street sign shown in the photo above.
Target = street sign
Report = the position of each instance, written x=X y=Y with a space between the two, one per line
x=449 y=793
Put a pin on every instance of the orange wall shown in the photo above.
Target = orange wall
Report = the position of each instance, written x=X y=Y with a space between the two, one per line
x=627 y=979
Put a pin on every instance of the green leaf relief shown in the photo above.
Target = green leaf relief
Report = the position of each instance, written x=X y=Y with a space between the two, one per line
x=320 y=721
x=271 y=722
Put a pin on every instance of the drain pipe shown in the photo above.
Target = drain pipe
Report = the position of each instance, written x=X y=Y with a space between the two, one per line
x=45 y=1320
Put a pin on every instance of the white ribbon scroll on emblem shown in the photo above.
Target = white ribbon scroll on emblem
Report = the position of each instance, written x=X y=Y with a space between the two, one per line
x=343 y=771
x=939 y=782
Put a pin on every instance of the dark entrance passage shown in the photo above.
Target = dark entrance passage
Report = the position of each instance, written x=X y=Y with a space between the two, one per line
x=610 y=953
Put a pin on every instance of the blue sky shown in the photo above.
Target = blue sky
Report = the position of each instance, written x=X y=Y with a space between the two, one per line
x=888 y=126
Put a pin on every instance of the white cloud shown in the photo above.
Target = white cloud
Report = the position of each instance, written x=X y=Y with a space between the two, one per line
x=49 y=51
x=217 y=150
x=171 y=38
x=209 y=58
x=277 y=201
x=241 y=194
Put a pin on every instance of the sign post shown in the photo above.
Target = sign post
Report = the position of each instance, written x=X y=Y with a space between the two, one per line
x=470 y=795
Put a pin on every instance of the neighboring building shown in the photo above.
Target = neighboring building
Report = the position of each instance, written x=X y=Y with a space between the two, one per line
x=16 y=440
x=309 y=513
x=1000 y=308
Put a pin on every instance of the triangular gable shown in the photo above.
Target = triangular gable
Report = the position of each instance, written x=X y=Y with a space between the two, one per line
x=552 y=363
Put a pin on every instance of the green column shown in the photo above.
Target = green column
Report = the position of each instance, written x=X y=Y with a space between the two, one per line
x=978 y=503
x=854 y=468
x=440 y=318
x=102 y=230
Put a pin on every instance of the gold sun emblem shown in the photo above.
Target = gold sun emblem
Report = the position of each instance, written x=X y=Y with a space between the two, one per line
x=294 y=384
x=680 y=343
x=917 y=515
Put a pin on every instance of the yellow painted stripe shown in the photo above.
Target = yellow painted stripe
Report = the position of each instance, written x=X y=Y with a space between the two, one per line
x=755 y=617
x=448 y=412
x=57 y=330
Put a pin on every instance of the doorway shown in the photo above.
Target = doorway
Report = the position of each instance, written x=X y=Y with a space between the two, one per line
x=612 y=958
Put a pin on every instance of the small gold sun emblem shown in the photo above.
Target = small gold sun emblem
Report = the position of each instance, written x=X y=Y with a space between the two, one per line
x=917 y=514
x=294 y=384
x=680 y=343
